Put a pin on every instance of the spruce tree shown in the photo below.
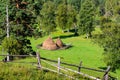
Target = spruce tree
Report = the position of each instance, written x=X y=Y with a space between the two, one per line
x=65 y=16
x=22 y=15
x=47 y=19
x=61 y=16
x=86 y=18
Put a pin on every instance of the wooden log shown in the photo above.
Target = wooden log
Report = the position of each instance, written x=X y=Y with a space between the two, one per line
x=8 y=58
x=58 y=65
x=79 y=68
x=98 y=70
x=73 y=65
x=39 y=62
x=54 y=65
x=83 y=74
x=19 y=55
x=60 y=73
x=105 y=76
x=56 y=62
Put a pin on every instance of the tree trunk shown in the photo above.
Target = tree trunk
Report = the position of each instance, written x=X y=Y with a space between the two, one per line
x=68 y=30
x=90 y=35
x=75 y=27
x=87 y=35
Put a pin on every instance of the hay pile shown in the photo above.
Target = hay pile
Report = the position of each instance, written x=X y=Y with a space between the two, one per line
x=49 y=44
x=59 y=43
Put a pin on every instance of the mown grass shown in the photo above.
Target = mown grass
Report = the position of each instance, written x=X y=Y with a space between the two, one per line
x=82 y=50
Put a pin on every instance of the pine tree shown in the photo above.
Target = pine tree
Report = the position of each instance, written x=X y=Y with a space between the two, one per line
x=65 y=16
x=2 y=19
x=71 y=17
x=61 y=16
x=48 y=17
x=76 y=4
x=86 y=18
x=22 y=15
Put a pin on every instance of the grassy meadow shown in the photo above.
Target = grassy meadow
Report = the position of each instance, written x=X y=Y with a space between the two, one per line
x=82 y=50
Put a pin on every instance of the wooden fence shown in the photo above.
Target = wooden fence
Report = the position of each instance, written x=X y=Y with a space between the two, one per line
x=60 y=68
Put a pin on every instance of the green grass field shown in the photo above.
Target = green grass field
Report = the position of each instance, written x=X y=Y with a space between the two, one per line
x=82 y=50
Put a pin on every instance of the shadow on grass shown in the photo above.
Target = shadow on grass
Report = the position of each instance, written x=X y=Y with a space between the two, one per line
x=65 y=46
x=66 y=36
x=103 y=68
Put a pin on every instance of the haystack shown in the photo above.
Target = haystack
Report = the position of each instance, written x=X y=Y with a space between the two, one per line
x=59 y=43
x=49 y=44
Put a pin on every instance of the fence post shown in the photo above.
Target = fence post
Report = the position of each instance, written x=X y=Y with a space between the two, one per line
x=8 y=58
x=38 y=58
x=79 y=66
x=106 y=76
x=58 y=65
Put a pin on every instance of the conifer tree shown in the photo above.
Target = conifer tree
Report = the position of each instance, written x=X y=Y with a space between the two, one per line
x=86 y=18
x=48 y=17
x=65 y=16
x=22 y=15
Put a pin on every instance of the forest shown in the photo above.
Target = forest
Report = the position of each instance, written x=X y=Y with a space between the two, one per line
x=21 y=20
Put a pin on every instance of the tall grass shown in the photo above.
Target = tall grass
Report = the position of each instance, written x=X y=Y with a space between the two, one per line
x=1 y=52
x=21 y=72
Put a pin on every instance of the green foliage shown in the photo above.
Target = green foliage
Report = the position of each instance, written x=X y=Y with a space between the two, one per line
x=57 y=2
x=86 y=18
x=76 y=4
x=110 y=6
x=65 y=16
x=109 y=39
x=11 y=45
x=71 y=16
x=47 y=19
x=22 y=19
x=61 y=16
x=2 y=19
